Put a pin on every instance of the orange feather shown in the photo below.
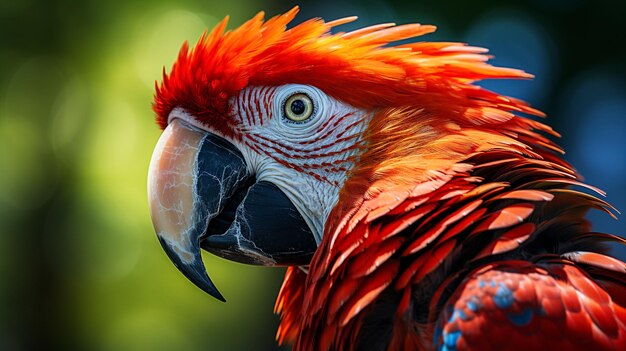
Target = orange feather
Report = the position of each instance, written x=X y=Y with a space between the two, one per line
x=449 y=175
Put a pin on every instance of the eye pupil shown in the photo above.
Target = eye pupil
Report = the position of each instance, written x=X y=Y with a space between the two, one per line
x=298 y=107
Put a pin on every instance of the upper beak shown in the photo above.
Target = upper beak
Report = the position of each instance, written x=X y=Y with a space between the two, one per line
x=201 y=193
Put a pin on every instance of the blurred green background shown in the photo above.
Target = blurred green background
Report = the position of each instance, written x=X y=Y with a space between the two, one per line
x=80 y=266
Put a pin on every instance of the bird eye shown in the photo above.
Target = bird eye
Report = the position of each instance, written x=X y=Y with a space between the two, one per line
x=299 y=107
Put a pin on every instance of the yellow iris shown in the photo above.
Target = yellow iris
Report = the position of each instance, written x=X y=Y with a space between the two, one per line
x=298 y=107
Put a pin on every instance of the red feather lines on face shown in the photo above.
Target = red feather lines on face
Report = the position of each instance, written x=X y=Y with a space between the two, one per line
x=311 y=165
x=329 y=152
x=249 y=105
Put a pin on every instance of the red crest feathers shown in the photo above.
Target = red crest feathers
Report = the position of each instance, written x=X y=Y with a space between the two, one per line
x=358 y=67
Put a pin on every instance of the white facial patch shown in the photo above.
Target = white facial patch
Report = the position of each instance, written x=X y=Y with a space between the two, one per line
x=307 y=158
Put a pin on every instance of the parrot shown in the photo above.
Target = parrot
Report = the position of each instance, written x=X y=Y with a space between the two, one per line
x=412 y=208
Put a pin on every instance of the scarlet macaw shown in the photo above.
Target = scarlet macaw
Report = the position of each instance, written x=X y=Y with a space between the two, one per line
x=415 y=210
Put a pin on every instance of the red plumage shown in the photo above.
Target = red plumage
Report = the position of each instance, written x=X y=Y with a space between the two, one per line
x=428 y=252
x=554 y=305
x=456 y=198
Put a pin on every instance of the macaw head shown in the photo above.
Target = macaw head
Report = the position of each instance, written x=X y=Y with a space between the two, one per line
x=271 y=135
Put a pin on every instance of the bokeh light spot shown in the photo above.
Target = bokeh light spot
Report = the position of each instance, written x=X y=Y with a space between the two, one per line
x=69 y=116
x=594 y=104
x=602 y=128
x=159 y=37
x=516 y=41
x=25 y=158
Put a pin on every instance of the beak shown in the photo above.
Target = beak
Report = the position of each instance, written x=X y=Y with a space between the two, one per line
x=202 y=194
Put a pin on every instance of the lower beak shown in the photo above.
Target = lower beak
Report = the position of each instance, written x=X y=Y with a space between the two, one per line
x=201 y=194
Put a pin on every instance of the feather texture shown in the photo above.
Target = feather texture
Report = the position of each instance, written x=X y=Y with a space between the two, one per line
x=457 y=227
x=549 y=304
x=432 y=236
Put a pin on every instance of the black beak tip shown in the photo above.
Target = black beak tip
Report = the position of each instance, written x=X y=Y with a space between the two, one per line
x=194 y=271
